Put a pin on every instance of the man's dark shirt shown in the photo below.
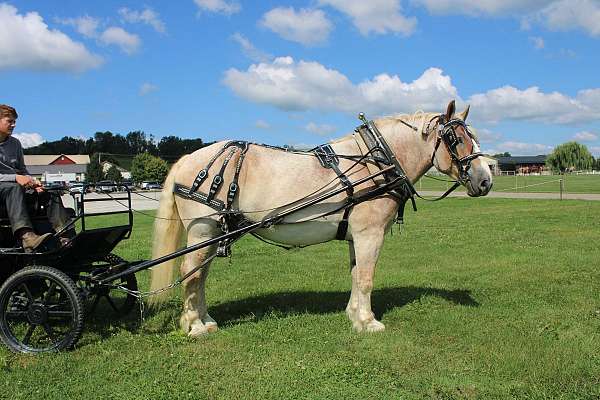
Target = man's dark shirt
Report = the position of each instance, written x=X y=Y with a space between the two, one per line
x=11 y=160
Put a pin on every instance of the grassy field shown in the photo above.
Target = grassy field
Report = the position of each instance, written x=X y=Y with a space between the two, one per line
x=534 y=184
x=482 y=298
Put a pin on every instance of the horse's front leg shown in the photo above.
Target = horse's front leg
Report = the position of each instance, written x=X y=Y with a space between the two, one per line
x=365 y=248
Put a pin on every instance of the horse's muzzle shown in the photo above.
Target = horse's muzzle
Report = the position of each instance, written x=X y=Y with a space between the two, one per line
x=480 y=185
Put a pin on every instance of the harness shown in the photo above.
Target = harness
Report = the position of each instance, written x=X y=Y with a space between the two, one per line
x=395 y=181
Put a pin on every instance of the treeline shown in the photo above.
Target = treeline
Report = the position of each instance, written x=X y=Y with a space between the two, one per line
x=169 y=148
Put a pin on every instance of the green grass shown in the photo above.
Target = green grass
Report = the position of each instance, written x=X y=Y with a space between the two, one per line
x=533 y=184
x=482 y=298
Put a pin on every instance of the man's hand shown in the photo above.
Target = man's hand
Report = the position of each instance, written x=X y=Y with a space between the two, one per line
x=29 y=182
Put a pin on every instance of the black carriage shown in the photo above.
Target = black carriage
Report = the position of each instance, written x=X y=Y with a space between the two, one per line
x=46 y=295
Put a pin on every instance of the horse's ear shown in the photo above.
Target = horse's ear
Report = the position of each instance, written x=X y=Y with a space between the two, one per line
x=463 y=115
x=450 y=111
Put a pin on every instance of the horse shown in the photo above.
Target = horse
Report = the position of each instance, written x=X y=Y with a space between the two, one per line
x=270 y=177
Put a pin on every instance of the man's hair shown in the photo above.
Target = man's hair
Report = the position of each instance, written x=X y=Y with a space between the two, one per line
x=8 y=111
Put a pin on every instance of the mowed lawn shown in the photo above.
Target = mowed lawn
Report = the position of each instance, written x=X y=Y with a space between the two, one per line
x=532 y=184
x=482 y=299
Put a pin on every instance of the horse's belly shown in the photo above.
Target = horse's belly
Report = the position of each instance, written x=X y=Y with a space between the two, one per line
x=301 y=233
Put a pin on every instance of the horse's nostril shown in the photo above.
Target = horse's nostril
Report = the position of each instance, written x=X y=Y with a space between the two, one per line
x=485 y=185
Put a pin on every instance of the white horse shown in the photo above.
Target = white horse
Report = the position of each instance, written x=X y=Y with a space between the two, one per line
x=270 y=178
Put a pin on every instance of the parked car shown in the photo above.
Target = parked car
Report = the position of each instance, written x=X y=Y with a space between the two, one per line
x=106 y=187
x=77 y=188
x=146 y=185
x=129 y=184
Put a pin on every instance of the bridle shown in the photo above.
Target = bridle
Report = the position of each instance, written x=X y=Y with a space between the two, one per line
x=446 y=133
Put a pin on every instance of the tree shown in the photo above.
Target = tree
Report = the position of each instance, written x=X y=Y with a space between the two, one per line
x=113 y=174
x=146 y=167
x=570 y=156
x=94 y=172
x=505 y=154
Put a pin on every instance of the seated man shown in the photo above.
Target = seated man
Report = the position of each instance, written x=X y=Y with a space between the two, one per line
x=14 y=180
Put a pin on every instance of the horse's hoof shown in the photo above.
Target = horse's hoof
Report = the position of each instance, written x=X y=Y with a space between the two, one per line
x=357 y=326
x=197 y=331
x=374 y=326
x=211 y=327
x=210 y=324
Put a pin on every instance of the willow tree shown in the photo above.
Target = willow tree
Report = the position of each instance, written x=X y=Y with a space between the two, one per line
x=570 y=156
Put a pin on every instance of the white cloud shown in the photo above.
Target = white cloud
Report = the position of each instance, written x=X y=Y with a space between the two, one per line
x=260 y=124
x=520 y=148
x=537 y=42
x=86 y=25
x=308 y=27
x=249 y=50
x=485 y=135
x=29 y=139
x=533 y=105
x=218 y=6
x=147 y=88
x=555 y=14
x=321 y=130
x=570 y=14
x=378 y=16
x=481 y=7
x=585 y=136
x=28 y=43
x=302 y=85
x=128 y=42
x=147 y=16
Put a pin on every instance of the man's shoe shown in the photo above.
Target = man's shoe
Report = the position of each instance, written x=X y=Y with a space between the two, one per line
x=31 y=241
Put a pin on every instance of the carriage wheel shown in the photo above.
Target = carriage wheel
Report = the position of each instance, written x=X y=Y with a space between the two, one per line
x=118 y=302
x=41 y=310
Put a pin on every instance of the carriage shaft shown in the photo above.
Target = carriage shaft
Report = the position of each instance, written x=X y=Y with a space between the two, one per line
x=264 y=223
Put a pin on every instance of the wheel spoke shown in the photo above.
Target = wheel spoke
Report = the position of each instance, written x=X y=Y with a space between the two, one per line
x=50 y=332
x=29 y=333
x=59 y=314
x=50 y=291
x=20 y=315
x=28 y=292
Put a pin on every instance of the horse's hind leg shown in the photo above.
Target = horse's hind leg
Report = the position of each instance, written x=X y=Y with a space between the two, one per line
x=195 y=320
x=366 y=247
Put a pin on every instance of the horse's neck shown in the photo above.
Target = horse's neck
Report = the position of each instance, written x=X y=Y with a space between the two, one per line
x=411 y=149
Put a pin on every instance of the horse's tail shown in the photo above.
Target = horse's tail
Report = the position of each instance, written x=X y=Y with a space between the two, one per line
x=167 y=235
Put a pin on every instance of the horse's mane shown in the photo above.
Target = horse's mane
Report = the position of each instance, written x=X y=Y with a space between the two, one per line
x=418 y=119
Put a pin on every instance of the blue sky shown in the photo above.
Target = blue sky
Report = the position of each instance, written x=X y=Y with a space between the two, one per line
x=298 y=72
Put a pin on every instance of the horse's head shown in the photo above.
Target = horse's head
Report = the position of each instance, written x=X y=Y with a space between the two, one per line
x=456 y=152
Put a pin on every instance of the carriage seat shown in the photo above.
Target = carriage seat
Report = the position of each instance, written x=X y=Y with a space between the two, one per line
x=37 y=206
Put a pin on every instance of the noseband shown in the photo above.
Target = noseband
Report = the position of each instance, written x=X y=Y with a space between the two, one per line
x=446 y=132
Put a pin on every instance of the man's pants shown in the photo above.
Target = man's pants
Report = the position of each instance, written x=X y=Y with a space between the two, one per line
x=12 y=197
